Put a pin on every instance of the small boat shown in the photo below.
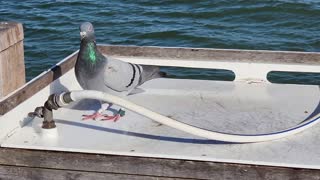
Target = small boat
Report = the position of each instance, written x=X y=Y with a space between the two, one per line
x=138 y=147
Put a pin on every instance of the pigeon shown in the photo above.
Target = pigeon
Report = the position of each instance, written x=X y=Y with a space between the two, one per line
x=94 y=71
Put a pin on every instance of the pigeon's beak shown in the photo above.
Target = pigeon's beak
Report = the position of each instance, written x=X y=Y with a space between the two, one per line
x=83 y=34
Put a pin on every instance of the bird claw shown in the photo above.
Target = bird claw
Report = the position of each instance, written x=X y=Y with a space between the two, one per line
x=116 y=117
x=94 y=116
x=110 y=118
x=104 y=117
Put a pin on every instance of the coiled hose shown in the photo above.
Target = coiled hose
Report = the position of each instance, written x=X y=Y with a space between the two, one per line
x=66 y=98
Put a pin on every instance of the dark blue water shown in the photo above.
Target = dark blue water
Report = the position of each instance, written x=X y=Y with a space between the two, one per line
x=51 y=26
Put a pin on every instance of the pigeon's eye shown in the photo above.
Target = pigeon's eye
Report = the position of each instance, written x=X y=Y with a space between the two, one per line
x=90 y=28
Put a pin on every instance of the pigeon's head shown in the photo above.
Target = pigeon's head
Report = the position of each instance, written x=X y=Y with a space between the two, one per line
x=86 y=30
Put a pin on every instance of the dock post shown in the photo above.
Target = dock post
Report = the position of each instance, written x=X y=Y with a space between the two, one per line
x=12 y=68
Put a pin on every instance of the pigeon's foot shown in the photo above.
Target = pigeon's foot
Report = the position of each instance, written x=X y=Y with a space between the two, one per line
x=116 y=117
x=110 y=118
x=94 y=116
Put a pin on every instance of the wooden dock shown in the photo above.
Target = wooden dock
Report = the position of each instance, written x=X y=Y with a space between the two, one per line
x=33 y=164
x=12 y=69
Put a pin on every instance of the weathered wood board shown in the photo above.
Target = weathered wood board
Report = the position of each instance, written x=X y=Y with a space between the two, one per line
x=12 y=68
x=32 y=164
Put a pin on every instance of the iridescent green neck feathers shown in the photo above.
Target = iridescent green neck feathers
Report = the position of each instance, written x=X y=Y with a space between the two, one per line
x=92 y=56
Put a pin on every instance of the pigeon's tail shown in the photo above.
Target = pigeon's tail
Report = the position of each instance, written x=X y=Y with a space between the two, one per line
x=151 y=72
x=162 y=74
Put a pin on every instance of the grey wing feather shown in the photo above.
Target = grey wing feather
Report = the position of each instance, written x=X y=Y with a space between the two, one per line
x=118 y=75
x=124 y=76
x=150 y=72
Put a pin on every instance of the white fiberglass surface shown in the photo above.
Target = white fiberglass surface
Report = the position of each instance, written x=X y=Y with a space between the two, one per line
x=234 y=107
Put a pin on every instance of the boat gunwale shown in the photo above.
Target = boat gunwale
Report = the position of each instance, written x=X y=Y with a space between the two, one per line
x=23 y=93
x=213 y=54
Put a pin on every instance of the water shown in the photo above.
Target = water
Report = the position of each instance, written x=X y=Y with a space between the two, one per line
x=51 y=26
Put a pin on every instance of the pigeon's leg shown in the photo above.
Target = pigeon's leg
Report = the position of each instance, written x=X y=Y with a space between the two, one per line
x=98 y=113
x=115 y=117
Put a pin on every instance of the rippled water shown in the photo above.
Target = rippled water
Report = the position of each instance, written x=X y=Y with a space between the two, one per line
x=51 y=27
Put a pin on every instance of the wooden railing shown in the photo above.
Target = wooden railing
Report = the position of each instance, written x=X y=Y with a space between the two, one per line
x=12 y=69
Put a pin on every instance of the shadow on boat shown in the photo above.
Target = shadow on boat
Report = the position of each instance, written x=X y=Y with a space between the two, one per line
x=142 y=135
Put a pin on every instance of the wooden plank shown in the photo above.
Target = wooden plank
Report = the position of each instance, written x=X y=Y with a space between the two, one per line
x=155 y=167
x=204 y=54
x=27 y=91
x=10 y=34
x=12 y=73
x=12 y=69
x=27 y=173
